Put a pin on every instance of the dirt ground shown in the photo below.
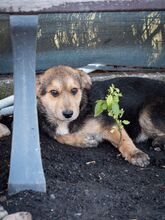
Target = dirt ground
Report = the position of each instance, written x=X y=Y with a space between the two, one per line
x=89 y=184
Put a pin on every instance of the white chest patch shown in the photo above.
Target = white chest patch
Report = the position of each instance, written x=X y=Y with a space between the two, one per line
x=62 y=129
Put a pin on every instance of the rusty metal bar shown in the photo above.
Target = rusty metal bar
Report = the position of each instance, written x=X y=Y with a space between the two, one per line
x=60 y=6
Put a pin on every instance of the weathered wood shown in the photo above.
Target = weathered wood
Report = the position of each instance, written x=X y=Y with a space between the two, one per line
x=50 y=6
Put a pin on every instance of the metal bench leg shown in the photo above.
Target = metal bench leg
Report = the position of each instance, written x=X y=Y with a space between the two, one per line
x=26 y=171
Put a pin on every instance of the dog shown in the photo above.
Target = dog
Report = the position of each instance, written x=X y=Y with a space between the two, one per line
x=66 y=101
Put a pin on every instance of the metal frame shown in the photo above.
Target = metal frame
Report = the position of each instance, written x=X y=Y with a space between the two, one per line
x=26 y=171
x=51 y=6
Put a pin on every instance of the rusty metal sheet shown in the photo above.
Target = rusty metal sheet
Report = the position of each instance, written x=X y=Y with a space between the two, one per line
x=52 y=6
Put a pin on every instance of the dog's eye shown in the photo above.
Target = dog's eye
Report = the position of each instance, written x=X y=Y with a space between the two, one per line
x=54 y=93
x=74 y=91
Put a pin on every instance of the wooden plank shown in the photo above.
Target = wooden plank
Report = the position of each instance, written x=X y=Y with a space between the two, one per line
x=51 y=6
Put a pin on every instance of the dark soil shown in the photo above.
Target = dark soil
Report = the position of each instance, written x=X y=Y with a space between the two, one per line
x=90 y=184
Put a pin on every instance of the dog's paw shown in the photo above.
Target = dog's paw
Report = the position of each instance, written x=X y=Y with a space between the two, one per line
x=91 y=140
x=140 y=159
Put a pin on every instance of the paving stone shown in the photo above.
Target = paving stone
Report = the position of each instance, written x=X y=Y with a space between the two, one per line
x=3 y=212
x=19 y=216
x=4 y=131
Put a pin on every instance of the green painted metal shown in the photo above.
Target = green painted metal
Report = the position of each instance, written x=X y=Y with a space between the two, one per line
x=77 y=39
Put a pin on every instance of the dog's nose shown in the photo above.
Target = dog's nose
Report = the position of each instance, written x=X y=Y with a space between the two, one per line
x=67 y=113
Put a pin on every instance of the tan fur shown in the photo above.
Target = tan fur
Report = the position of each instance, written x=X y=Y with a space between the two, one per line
x=93 y=132
x=85 y=137
x=124 y=143
x=63 y=80
x=64 y=101
x=148 y=129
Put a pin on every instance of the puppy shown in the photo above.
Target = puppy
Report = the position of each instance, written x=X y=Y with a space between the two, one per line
x=66 y=101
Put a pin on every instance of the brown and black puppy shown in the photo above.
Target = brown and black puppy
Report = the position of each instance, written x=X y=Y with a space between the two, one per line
x=66 y=103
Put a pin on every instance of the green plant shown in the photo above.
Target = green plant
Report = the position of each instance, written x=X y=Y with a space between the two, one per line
x=111 y=105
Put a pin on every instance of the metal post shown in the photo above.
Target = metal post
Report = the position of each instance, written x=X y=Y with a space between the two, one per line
x=26 y=171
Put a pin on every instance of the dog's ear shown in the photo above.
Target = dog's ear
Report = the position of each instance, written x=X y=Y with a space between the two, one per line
x=40 y=86
x=85 y=79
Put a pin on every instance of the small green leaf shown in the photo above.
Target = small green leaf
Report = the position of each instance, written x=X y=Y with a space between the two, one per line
x=115 y=109
x=99 y=107
x=121 y=112
x=109 y=100
x=110 y=113
x=98 y=110
x=116 y=99
x=111 y=104
x=125 y=122
x=104 y=106
x=111 y=89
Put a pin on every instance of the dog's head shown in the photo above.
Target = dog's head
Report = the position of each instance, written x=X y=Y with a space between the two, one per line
x=59 y=91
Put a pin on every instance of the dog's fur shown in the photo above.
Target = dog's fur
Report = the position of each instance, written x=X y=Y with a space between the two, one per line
x=66 y=100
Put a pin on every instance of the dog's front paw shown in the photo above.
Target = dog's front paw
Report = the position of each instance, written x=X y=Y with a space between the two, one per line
x=91 y=140
x=140 y=159
x=79 y=140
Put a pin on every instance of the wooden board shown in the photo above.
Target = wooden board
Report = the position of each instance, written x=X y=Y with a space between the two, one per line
x=50 y=6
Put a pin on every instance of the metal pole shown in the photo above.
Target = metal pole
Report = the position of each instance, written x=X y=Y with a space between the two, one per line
x=26 y=171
